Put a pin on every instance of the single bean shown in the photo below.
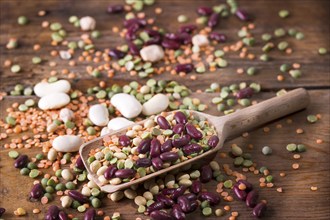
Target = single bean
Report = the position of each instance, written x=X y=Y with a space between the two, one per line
x=160 y=215
x=181 y=141
x=62 y=216
x=206 y=174
x=187 y=28
x=155 y=148
x=177 y=213
x=144 y=146
x=169 y=156
x=131 y=32
x=248 y=185
x=170 y=44
x=213 y=141
x=244 y=93
x=90 y=214
x=110 y=172
x=190 y=196
x=180 y=117
x=115 y=53
x=213 y=198
x=178 y=192
x=2 y=211
x=218 y=37
x=37 y=191
x=178 y=37
x=78 y=196
x=154 y=40
x=133 y=48
x=143 y=162
x=192 y=148
x=115 y=9
x=167 y=201
x=140 y=22
x=193 y=206
x=125 y=173
x=79 y=163
x=240 y=194
x=259 y=210
x=213 y=20
x=157 y=163
x=193 y=132
x=186 y=68
x=124 y=140
x=178 y=128
x=196 y=187
x=251 y=199
x=168 y=191
x=52 y=213
x=184 y=204
x=242 y=15
x=166 y=146
x=155 y=206
x=204 y=11
x=21 y=161
x=163 y=123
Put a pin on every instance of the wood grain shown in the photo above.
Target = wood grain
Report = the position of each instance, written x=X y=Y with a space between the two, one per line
x=309 y=16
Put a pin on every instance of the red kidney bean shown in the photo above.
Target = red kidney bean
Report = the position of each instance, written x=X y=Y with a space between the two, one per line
x=192 y=148
x=196 y=187
x=140 y=22
x=174 y=36
x=205 y=11
x=213 y=20
x=213 y=141
x=166 y=146
x=181 y=141
x=218 y=37
x=168 y=191
x=125 y=173
x=37 y=191
x=190 y=196
x=244 y=93
x=133 y=48
x=110 y=172
x=180 y=117
x=2 y=211
x=186 y=68
x=240 y=194
x=184 y=204
x=144 y=146
x=169 y=156
x=178 y=128
x=115 y=9
x=160 y=215
x=178 y=192
x=79 y=163
x=152 y=33
x=21 y=161
x=143 y=162
x=187 y=39
x=206 y=174
x=62 y=216
x=157 y=163
x=193 y=206
x=155 y=148
x=242 y=15
x=193 y=132
x=163 y=123
x=115 y=53
x=177 y=213
x=259 y=210
x=90 y=214
x=167 y=201
x=251 y=199
x=124 y=140
x=52 y=213
x=78 y=196
x=131 y=32
x=187 y=28
x=155 y=206
x=213 y=198
x=170 y=44
x=154 y=40
x=248 y=185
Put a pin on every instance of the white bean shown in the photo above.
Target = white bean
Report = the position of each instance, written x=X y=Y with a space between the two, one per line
x=99 y=115
x=44 y=88
x=127 y=105
x=87 y=23
x=67 y=143
x=152 y=53
x=155 y=105
x=119 y=123
x=53 y=101
x=200 y=40
x=66 y=114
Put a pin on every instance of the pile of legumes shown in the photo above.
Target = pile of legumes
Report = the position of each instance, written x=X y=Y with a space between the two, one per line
x=158 y=143
x=65 y=117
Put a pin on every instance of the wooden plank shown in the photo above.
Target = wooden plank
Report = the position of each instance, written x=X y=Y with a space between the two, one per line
x=296 y=202
x=314 y=67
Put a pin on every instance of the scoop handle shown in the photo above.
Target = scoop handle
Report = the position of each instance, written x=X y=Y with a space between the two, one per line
x=256 y=115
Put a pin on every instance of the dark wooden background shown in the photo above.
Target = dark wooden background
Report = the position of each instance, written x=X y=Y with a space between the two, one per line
x=309 y=16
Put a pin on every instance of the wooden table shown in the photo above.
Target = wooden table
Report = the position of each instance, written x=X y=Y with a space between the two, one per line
x=309 y=16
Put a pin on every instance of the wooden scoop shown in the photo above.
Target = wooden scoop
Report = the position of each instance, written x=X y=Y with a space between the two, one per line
x=231 y=125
